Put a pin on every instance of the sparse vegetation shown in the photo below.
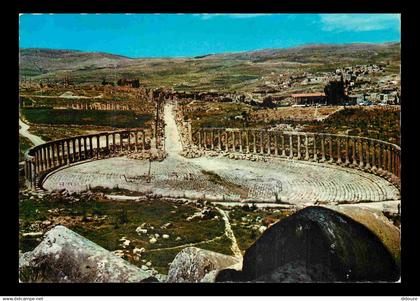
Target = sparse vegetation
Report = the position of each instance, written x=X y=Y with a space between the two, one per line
x=118 y=119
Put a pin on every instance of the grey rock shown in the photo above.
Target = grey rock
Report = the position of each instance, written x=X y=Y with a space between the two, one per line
x=192 y=264
x=65 y=256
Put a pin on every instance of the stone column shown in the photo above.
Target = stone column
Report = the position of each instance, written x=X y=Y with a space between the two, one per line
x=98 y=146
x=68 y=151
x=268 y=143
x=219 y=140
x=80 y=148
x=367 y=154
x=291 y=146
x=136 y=140
x=26 y=170
x=240 y=141
x=385 y=158
x=73 y=141
x=41 y=158
x=33 y=174
x=254 y=140
x=121 y=142
x=56 y=151
x=361 y=163
x=373 y=156
x=322 y=148
x=261 y=142
x=283 y=149
x=298 y=147
x=315 y=150
x=339 y=150
x=35 y=165
x=347 y=152
x=189 y=132
x=354 y=152
x=59 y=158
x=54 y=154
x=330 y=148
x=388 y=150
x=233 y=141
x=40 y=167
x=247 y=140
x=63 y=152
x=90 y=147
x=212 y=139
x=306 y=147
x=205 y=139
x=392 y=160
x=129 y=141
x=380 y=161
x=276 y=145
x=85 y=147
x=49 y=156
x=226 y=134
x=199 y=139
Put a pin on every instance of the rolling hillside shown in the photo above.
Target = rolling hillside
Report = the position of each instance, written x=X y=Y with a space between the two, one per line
x=227 y=71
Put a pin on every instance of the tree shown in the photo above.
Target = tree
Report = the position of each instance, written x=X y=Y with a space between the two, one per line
x=268 y=102
x=245 y=116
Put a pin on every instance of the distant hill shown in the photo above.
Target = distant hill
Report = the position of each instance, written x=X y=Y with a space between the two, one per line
x=225 y=71
x=307 y=52
x=35 y=61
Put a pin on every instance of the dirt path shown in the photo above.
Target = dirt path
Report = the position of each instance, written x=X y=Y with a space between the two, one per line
x=173 y=144
x=229 y=233
x=23 y=130
x=187 y=245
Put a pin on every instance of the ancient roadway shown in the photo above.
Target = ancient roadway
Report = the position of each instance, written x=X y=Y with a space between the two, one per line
x=221 y=178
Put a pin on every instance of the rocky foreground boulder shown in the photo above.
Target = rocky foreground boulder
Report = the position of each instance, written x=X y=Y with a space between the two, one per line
x=198 y=265
x=65 y=256
x=316 y=244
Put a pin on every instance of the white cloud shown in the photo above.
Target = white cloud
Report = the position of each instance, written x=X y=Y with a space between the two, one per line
x=359 y=22
x=234 y=16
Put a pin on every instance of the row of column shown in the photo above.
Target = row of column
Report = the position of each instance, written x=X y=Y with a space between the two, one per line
x=61 y=152
x=98 y=106
x=368 y=154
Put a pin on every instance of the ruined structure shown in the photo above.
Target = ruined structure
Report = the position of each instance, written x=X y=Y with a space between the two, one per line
x=44 y=158
x=371 y=155
x=309 y=98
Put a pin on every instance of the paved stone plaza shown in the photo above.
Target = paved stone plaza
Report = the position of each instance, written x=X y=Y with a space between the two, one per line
x=290 y=181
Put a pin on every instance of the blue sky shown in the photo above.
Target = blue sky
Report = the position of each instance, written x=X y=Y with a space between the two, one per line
x=175 y=35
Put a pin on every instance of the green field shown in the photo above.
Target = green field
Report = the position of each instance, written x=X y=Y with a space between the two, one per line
x=105 y=222
x=118 y=119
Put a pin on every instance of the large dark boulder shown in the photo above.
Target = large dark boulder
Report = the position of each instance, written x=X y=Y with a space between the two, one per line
x=316 y=244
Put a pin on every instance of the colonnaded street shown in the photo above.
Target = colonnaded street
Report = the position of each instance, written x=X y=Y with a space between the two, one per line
x=287 y=181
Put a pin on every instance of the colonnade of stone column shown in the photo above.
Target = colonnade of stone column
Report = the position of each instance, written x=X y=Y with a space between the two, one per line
x=371 y=155
x=48 y=156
